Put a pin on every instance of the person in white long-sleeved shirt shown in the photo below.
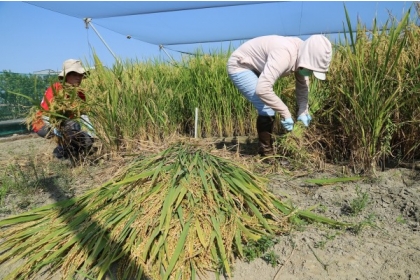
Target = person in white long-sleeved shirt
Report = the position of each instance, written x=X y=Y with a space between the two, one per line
x=257 y=64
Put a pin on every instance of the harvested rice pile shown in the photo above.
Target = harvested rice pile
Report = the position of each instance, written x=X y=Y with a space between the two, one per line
x=168 y=216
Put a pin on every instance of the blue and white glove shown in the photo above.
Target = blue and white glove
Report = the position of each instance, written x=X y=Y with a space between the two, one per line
x=46 y=120
x=305 y=118
x=287 y=124
x=88 y=124
x=57 y=132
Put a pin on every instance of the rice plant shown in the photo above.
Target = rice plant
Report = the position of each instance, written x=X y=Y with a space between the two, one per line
x=360 y=202
x=66 y=104
x=370 y=91
x=172 y=215
x=153 y=100
x=405 y=141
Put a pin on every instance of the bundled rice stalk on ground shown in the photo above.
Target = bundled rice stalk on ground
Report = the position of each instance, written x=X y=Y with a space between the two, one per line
x=168 y=216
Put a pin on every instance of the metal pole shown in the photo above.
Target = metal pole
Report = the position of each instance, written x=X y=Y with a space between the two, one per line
x=88 y=21
x=162 y=48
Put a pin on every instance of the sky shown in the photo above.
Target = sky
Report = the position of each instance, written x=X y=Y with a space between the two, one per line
x=39 y=36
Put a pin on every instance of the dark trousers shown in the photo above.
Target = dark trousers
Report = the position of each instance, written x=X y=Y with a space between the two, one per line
x=71 y=139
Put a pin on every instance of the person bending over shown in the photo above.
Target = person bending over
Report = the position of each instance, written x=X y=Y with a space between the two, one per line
x=257 y=64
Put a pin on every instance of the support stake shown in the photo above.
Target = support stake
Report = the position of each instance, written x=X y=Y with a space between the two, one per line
x=196 y=123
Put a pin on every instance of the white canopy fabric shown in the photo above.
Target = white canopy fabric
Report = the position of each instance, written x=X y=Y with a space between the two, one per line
x=190 y=22
x=108 y=9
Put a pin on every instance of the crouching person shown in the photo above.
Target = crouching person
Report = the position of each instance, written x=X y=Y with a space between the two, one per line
x=72 y=141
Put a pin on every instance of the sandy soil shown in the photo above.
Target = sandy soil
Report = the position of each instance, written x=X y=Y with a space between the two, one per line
x=386 y=245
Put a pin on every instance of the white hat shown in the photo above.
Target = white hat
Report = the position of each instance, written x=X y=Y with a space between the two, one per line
x=72 y=65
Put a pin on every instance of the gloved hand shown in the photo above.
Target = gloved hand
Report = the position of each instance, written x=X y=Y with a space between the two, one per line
x=57 y=132
x=88 y=124
x=287 y=124
x=46 y=120
x=305 y=118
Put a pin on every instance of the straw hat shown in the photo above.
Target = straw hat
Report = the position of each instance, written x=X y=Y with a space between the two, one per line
x=71 y=65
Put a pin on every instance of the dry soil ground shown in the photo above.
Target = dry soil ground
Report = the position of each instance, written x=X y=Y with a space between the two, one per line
x=386 y=245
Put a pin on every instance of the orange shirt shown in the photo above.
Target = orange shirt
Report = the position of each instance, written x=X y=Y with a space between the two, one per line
x=48 y=98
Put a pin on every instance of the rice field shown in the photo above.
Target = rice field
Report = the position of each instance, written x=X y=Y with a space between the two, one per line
x=183 y=210
x=366 y=113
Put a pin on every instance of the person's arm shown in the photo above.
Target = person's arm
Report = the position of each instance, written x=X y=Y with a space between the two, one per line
x=40 y=119
x=302 y=91
x=277 y=65
x=48 y=97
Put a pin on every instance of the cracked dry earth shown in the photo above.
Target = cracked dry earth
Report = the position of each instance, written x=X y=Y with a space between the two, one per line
x=385 y=245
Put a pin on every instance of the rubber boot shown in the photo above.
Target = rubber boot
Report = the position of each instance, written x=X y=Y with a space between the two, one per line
x=265 y=130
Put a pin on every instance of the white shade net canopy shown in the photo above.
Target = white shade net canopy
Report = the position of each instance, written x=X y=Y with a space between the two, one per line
x=190 y=22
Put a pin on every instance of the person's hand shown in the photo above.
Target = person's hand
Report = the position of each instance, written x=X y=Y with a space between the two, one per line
x=287 y=124
x=305 y=118
x=88 y=124
x=46 y=120
x=57 y=132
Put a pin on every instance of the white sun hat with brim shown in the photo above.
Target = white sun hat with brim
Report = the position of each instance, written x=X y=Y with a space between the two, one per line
x=72 y=65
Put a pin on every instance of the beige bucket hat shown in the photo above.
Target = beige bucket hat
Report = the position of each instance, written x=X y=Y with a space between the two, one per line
x=72 y=65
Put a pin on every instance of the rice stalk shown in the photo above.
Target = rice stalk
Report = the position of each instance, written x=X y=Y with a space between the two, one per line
x=170 y=215
x=364 y=116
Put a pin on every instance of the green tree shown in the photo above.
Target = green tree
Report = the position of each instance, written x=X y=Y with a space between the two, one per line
x=15 y=106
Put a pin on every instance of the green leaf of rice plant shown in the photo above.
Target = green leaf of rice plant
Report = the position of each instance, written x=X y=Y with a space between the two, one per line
x=220 y=246
x=178 y=249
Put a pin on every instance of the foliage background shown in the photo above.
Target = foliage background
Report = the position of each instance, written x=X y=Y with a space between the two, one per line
x=14 y=106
